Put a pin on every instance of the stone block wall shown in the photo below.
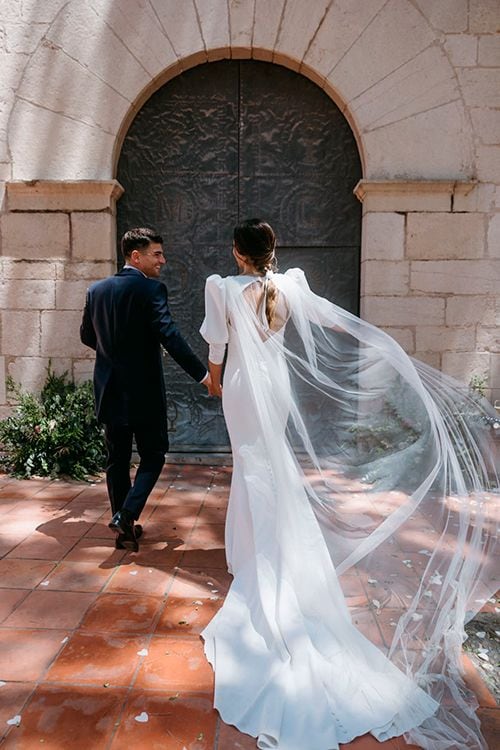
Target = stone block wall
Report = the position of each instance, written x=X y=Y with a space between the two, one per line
x=431 y=272
x=56 y=239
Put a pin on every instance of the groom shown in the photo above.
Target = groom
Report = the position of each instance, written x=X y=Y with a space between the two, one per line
x=126 y=320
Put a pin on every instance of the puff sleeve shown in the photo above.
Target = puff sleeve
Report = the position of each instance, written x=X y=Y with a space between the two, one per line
x=214 y=327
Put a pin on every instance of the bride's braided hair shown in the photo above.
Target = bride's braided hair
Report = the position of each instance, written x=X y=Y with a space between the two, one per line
x=255 y=240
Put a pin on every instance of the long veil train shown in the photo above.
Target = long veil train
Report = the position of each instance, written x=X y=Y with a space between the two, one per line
x=359 y=467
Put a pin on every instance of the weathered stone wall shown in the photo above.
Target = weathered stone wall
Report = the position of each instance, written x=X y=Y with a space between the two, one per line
x=431 y=272
x=419 y=81
x=58 y=237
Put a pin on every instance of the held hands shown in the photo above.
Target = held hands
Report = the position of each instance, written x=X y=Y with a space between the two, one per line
x=214 y=389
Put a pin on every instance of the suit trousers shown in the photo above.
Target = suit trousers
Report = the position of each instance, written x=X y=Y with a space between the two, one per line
x=152 y=444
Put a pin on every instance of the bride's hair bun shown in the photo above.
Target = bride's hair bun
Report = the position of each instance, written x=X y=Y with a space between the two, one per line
x=255 y=240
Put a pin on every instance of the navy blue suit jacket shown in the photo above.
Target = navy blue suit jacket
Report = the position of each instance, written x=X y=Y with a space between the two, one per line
x=126 y=320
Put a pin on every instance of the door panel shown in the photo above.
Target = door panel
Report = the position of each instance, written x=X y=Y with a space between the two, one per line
x=223 y=142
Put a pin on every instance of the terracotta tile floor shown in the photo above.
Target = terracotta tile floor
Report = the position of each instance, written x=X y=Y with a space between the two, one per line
x=100 y=648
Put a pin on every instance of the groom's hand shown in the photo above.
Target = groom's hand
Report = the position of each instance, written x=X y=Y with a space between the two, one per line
x=213 y=389
x=207 y=381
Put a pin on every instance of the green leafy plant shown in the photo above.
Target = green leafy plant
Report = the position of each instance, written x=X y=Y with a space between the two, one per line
x=53 y=434
x=478 y=384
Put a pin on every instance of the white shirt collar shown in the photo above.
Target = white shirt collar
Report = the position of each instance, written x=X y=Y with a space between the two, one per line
x=135 y=269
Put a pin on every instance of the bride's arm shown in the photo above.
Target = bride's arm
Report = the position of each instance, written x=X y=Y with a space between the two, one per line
x=216 y=375
x=214 y=330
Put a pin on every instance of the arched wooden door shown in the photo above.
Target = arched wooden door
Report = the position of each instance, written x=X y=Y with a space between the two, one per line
x=227 y=141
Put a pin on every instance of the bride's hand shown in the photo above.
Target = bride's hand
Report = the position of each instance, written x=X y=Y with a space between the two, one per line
x=214 y=386
x=215 y=389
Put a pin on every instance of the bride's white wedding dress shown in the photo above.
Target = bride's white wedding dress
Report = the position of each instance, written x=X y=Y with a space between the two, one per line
x=315 y=494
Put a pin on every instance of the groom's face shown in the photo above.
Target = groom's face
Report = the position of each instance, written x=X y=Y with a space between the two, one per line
x=150 y=260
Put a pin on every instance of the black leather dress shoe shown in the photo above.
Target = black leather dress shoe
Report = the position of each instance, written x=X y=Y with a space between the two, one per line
x=120 y=537
x=123 y=525
x=121 y=522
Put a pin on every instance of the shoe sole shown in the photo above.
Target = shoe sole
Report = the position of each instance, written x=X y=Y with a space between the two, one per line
x=130 y=546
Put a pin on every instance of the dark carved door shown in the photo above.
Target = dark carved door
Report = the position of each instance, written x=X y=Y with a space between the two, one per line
x=223 y=142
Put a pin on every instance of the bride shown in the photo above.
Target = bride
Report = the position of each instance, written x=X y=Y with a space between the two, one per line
x=354 y=468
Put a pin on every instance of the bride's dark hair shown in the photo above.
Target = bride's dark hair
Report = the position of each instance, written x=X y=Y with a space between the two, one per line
x=256 y=241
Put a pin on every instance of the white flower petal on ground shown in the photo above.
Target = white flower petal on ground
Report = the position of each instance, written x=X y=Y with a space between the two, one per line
x=143 y=652
x=436 y=579
x=142 y=718
x=15 y=721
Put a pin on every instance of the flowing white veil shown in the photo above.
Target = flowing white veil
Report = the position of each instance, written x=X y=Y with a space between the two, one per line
x=398 y=463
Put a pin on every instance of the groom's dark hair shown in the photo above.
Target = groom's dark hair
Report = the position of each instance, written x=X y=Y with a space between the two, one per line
x=138 y=239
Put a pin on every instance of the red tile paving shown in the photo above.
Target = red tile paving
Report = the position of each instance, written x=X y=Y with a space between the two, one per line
x=25 y=655
x=122 y=613
x=100 y=648
x=186 y=616
x=169 y=722
x=50 y=609
x=23 y=574
x=59 y=718
x=84 y=655
x=10 y=599
x=175 y=664
x=76 y=576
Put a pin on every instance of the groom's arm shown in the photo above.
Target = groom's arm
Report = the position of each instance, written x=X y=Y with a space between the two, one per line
x=87 y=330
x=172 y=339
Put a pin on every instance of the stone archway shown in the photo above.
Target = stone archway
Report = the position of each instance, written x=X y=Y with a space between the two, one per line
x=222 y=142
x=403 y=74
